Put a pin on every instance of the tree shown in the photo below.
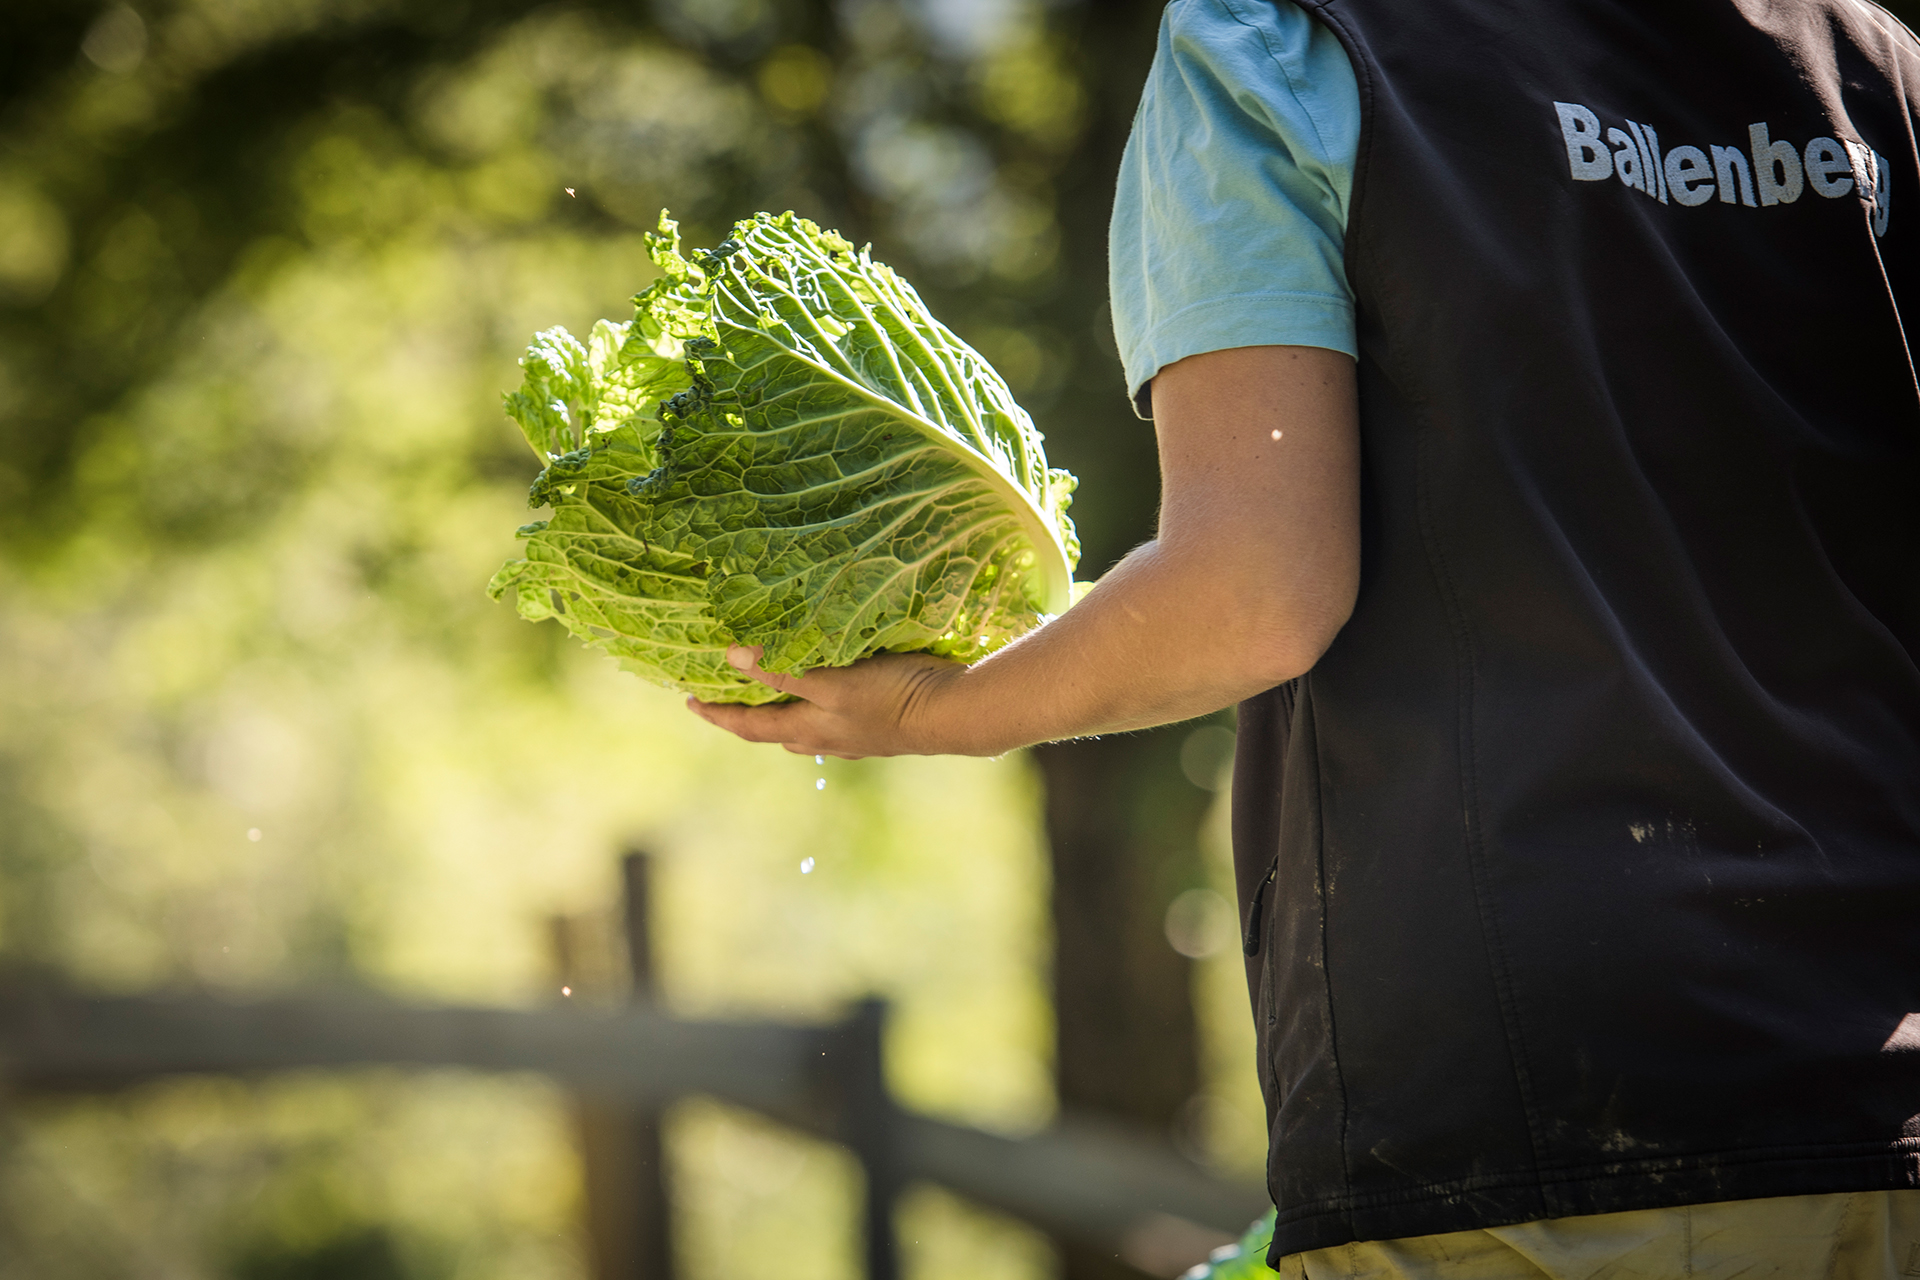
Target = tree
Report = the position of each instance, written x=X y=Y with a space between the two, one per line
x=154 y=163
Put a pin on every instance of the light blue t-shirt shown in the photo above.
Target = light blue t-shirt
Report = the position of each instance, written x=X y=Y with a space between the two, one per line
x=1230 y=217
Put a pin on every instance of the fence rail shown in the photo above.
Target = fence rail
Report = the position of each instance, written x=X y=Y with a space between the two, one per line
x=1082 y=1179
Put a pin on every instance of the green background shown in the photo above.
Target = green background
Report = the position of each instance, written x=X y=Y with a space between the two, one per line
x=265 y=266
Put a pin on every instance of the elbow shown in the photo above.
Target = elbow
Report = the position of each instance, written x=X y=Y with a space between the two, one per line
x=1290 y=646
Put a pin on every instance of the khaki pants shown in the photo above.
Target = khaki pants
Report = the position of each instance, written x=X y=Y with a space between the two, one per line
x=1873 y=1235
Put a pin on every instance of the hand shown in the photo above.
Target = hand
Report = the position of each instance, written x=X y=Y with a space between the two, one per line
x=879 y=706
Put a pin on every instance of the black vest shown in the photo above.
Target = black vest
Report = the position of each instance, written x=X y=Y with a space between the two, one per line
x=1582 y=874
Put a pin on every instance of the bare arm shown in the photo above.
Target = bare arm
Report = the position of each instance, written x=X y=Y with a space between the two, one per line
x=1252 y=574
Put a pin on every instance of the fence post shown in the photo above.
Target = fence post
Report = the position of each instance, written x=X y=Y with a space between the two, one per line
x=868 y=1128
x=653 y=1239
x=627 y=1212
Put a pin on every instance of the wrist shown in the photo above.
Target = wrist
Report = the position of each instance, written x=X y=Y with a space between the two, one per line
x=947 y=712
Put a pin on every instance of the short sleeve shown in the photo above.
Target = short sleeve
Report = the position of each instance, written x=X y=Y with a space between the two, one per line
x=1229 y=220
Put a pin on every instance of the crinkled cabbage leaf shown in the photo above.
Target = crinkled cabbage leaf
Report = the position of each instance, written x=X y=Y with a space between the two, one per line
x=782 y=448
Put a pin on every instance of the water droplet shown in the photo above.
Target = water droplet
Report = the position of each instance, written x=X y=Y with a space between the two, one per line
x=806 y=866
x=819 y=759
x=566 y=991
x=819 y=784
x=253 y=834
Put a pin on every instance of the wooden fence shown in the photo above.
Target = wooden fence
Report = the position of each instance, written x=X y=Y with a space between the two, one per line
x=1081 y=1179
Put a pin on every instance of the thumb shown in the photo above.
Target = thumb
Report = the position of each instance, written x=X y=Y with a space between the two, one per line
x=746 y=660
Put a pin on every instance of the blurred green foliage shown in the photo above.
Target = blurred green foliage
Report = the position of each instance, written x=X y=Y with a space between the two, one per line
x=264 y=269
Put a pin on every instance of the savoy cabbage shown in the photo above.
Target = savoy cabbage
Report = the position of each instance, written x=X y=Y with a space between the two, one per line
x=782 y=448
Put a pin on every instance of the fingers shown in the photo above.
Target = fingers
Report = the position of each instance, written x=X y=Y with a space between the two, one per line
x=754 y=724
x=789 y=724
x=746 y=660
x=846 y=712
x=802 y=749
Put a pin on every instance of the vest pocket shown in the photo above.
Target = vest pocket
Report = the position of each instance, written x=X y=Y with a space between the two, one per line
x=1255 y=932
x=1256 y=944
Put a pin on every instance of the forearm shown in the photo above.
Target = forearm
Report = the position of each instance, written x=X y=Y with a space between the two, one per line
x=1173 y=632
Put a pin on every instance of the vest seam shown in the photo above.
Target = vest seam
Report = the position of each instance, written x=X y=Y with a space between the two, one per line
x=1472 y=835
x=1893 y=299
x=1876 y=10
x=1601 y=1173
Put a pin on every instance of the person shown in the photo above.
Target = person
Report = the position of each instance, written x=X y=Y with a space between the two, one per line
x=1540 y=445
